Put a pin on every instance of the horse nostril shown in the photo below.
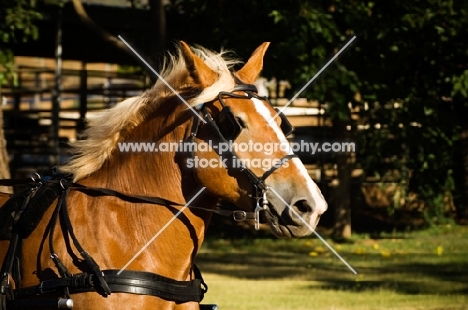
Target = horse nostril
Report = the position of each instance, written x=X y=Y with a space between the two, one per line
x=302 y=206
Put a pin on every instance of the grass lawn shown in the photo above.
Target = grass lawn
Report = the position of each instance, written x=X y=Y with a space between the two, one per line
x=419 y=270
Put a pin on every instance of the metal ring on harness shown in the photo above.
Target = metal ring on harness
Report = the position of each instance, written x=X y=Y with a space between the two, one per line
x=35 y=174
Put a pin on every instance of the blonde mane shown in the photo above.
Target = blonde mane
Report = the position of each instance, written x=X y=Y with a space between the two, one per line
x=109 y=127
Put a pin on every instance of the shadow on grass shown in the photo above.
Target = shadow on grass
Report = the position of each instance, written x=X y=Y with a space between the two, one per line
x=399 y=286
x=248 y=266
x=374 y=273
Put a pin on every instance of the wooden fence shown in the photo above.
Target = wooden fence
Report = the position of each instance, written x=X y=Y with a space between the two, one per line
x=36 y=133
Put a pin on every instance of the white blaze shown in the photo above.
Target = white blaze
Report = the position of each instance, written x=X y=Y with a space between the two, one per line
x=320 y=203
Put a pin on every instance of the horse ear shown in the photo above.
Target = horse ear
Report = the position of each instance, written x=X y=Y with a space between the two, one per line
x=197 y=68
x=254 y=65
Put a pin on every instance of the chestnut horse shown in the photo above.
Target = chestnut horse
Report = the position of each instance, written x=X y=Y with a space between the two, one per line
x=126 y=230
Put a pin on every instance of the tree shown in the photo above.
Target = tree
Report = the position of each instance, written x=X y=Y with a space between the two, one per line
x=17 y=24
x=406 y=65
x=408 y=61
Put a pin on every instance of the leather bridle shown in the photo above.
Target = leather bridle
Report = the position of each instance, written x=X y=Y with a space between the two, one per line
x=234 y=162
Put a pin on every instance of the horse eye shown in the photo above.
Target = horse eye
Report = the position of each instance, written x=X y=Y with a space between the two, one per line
x=240 y=121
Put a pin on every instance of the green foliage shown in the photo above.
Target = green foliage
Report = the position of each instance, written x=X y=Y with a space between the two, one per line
x=17 y=24
x=460 y=84
x=424 y=59
x=308 y=25
x=403 y=140
x=408 y=65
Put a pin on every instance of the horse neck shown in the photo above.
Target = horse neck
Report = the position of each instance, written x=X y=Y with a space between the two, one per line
x=152 y=174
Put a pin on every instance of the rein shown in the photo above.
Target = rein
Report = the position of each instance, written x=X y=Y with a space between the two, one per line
x=237 y=215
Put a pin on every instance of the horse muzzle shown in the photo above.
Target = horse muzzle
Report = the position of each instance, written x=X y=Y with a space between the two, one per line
x=294 y=220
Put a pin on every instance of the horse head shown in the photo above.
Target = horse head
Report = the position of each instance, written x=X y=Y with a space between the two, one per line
x=246 y=158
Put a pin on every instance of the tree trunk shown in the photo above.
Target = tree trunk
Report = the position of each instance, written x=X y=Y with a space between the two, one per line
x=463 y=208
x=158 y=40
x=342 y=227
x=93 y=26
x=342 y=198
x=158 y=26
x=460 y=166
x=4 y=162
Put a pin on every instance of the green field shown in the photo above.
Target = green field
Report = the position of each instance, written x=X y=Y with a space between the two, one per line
x=418 y=270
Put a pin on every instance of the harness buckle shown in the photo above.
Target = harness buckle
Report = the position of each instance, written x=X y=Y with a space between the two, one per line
x=239 y=215
x=259 y=208
x=257 y=216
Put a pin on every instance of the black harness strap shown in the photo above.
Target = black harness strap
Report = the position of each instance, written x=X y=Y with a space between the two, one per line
x=18 y=182
x=63 y=271
x=10 y=269
x=234 y=158
x=126 y=281
x=237 y=215
x=100 y=284
x=144 y=283
x=99 y=191
x=44 y=195
x=277 y=166
x=258 y=182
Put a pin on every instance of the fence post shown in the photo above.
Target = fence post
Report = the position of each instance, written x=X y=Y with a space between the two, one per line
x=54 y=157
x=83 y=97
x=4 y=168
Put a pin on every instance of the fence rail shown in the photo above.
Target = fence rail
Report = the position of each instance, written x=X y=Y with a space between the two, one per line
x=28 y=112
